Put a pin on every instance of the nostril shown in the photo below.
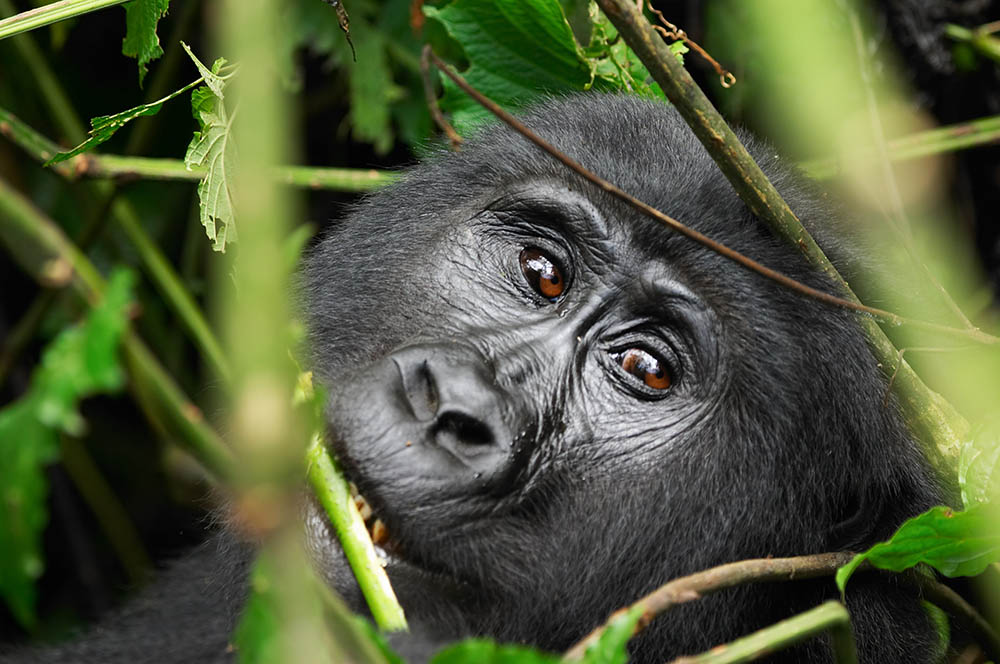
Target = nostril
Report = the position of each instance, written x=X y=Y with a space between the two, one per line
x=420 y=388
x=456 y=427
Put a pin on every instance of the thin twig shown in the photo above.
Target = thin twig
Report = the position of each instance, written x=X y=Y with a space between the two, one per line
x=432 y=103
x=952 y=603
x=830 y=616
x=696 y=586
x=688 y=232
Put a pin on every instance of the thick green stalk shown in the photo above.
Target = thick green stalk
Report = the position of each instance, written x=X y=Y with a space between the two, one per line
x=941 y=140
x=51 y=13
x=331 y=489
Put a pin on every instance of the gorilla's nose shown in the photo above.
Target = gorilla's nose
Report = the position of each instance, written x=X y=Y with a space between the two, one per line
x=452 y=392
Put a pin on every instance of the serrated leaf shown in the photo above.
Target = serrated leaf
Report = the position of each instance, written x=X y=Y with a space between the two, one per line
x=80 y=362
x=954 y=543
x=372 y=90
x=211 y=148
x=141 y=42
x=104 y=127
x=211 y=76
x=517 y=50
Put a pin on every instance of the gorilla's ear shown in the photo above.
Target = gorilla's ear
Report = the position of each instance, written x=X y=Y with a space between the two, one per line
x=861 y=514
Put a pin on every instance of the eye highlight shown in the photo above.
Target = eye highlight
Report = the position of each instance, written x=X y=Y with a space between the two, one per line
x=542 y=273
x=646 y=367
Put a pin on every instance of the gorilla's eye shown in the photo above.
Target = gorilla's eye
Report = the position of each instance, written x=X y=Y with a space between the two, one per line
x=542 y=273
x=648 y=368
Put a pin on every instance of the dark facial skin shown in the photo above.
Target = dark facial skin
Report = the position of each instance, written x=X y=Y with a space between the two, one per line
x=556 y=405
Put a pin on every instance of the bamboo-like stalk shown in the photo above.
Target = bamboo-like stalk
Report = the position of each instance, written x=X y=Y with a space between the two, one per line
x=331 y=489
x=51 y=13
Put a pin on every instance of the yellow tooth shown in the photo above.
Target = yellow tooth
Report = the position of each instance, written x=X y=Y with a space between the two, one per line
x=379 y=532
x=363 y=507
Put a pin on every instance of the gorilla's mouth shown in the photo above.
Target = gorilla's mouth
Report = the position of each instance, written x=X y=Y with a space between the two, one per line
x=386 y=547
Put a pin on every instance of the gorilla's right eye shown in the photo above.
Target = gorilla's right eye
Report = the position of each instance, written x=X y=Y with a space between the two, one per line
x=542 y=273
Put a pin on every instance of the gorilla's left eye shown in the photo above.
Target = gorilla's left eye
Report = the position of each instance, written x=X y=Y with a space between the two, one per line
x=542 y=273
x=651 y=370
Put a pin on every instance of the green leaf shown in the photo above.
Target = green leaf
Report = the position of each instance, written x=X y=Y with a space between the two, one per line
x=141 y=42
x=482 y=651
x=517 y=51
x=211 y=148
x=104 y=127
x=977 y=465
x=611 y=647
x=81 y=361
x=953 y=543
x=372 y=89
x=286 y=591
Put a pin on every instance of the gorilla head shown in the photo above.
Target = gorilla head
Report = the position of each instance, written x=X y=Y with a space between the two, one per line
x=555 y=404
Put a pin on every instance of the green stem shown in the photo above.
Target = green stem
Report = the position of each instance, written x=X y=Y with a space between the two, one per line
x=979 y=39
x=331 y=489
x=830 y=616
x=51 y=13
x=41 y=248
x=935 y=422
x=923 y=144
x=111 y=515
x=353 y=180
x=162 y=274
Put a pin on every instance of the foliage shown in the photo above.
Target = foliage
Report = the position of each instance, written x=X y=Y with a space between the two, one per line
x=141 y=42
x=519 y=50
x=80 y=362
x=212 y=148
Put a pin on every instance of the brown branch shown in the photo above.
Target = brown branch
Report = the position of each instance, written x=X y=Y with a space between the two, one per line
x=695 y=586
x=952 y=603
x=432 y=103
x=719 y=248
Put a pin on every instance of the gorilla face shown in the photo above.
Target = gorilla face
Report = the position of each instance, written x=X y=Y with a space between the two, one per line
x=554 y=405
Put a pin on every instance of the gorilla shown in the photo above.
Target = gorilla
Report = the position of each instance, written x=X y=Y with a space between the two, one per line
x=554 y=405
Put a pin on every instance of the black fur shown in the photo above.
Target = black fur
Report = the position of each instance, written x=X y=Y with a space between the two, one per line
x=529 y=484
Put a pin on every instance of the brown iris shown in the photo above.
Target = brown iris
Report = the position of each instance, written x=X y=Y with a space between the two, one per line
x=646 y=367
x=542 y=273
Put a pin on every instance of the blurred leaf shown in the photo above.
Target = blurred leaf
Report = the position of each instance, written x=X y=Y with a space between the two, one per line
x=80 y=362
x=211 y=148
x=141 y=42
x=977 y=465
x=610 y=648
x=953 y=543
x=372 y=90
x=337 y=635
x=517 y=50
x=481 y=651
x=104 y=127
